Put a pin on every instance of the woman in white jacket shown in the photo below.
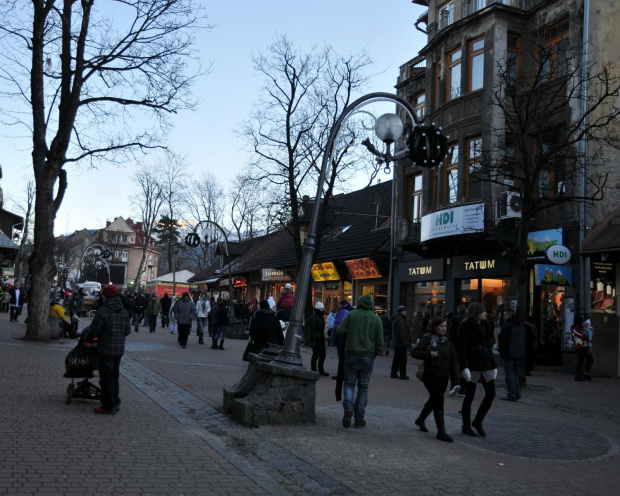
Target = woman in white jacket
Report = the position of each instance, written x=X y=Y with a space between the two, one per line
x=173 y=320
x=203 y=307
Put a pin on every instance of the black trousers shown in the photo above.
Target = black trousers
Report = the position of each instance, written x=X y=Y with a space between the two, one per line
x=436 y=387
x=318 y=354
x=485 y=404
x=15 y=312
x=109 y=368
x=584 y=355
x=399 y=362
x=184 y=333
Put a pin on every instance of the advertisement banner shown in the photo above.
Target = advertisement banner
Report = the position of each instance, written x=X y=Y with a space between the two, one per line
x=452 y=221
x=539 y=241
x=553 y=275
x=325 y=272
x=363 y=268
x=603 y=287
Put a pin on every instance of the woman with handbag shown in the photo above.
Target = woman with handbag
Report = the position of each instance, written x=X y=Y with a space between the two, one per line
x=475 y=354
x=440 y=364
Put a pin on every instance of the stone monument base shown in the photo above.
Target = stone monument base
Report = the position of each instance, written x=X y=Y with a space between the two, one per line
x=272 y=394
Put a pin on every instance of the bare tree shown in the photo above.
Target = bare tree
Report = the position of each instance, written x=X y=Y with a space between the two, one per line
x=304 y=94
x=148 y=203
x=249 y=207
x=555 y=124
x=83 y=76
x=25 y=207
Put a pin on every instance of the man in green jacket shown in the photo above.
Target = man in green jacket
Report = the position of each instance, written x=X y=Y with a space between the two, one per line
x=363 y=331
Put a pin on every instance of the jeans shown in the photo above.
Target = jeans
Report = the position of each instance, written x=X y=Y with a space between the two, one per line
x=15 y=312
x=108 y=380
x=511 y=370
x=137 y=317
x=202 y=323
x=357 y=370
x=165 y=320
x=221 y=333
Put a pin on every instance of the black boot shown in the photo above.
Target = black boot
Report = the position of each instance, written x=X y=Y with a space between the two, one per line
x=426 y=410
x=466 y=428
x=477 y=424
x=214 y=343
x=221 y=344
x=441 y=428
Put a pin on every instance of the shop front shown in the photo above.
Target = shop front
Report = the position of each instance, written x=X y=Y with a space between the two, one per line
x=328 y=287
x=271 y=283
x=368 y=279
x=422 y=286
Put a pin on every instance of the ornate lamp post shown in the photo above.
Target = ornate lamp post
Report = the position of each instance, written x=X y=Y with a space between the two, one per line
x=193 y=240
x=425 y=147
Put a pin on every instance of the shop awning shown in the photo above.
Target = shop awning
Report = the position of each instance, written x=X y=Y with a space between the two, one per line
x=605 y=237
x=207 y=281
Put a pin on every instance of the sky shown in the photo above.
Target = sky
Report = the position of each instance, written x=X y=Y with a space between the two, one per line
x=385 y=29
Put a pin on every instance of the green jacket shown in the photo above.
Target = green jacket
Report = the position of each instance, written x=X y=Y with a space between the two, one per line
x=363 y=330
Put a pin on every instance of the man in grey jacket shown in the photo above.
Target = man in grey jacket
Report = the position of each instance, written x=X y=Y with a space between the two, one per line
x=184 y=311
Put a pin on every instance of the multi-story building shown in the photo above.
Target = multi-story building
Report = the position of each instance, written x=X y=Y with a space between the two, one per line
x=457 y=226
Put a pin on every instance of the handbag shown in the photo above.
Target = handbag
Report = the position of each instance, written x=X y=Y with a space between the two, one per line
x=420 y=372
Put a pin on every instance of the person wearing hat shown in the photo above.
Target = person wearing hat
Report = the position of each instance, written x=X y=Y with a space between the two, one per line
x=111 y=326
x=184 y=312
x=316 y=325
x=285 y=302
x=402 y=342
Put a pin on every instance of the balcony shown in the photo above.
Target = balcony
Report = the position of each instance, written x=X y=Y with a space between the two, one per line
x=407 y=232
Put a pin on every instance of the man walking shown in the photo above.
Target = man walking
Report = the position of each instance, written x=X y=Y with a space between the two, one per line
x=153 y=310
x=511 y=346
x=363 y=331
x=184 y=311
x=16 y=301
x=402 y=342
x=110 y=326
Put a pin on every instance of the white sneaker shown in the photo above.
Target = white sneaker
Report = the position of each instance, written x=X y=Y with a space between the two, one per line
x=454 y=390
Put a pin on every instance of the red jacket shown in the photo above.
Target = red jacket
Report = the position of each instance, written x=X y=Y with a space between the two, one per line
x=285 y=302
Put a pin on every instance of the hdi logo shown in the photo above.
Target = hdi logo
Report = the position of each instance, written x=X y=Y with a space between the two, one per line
x=444 y=218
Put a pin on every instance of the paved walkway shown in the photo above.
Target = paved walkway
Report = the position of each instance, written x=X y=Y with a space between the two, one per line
x=172 y=437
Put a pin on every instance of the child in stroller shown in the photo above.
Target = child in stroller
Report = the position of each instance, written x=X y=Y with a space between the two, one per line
x=81 y=362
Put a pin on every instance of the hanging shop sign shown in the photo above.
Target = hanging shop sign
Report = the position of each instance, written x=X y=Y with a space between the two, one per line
x=553 y=275
x=274 y=275
x=325 y=272
x=240 y=282
x=471 y=267
x=363 y=268
x=538 y=242
x=558 y=254
x=603 y=287
x=421 y=270
x=452 y=221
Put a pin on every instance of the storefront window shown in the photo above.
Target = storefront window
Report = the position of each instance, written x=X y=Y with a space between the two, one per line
x=602 y=287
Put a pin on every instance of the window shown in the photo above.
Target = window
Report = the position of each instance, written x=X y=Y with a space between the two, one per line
x=415 y=198
x=510 y=168
x=554 y=58
x=125 y=254
x=454 y=75
x=437 y=83
x=477 y=64
x=550 y=167
x=474 y=169
x=451 y=175
x=513 y=59
x=419 y=105
x=479 y=4
x=446 y=15
x=118 y=238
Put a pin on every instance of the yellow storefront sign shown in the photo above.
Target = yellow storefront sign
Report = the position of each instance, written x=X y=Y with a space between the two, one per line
x=325 y=272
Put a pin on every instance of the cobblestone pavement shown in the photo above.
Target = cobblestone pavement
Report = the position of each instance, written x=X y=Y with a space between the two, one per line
x=172 y=437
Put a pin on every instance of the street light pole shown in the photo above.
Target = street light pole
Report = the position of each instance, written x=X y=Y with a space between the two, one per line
x=193 y=240
x=290 y=354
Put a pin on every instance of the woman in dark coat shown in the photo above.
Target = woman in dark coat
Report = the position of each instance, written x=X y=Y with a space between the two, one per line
x=475 y=353
x=265 y=328
x=440 y=364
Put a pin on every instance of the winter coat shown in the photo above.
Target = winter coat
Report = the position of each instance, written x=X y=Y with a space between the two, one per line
x=316 y=328
x=154 y=307
x=223 y=318
x=110 y=326
x=511 y=340
x=166 y=303
x=57 y=310
x=265 y=328
x=363 y=330
x=185 y=311
x=400 y=332
x=443 y=365
x=17 y=301
x=340 y=315
x=213 y=314
x=475 y=345
x=285 y=302
x=203 y=307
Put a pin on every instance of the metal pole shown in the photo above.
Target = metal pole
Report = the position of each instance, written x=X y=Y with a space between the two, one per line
x=290 y=351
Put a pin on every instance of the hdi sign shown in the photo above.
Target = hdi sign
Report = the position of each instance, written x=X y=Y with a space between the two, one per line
x=558 y=254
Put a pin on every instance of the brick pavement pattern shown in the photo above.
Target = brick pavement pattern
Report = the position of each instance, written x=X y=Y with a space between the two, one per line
x=171 y=436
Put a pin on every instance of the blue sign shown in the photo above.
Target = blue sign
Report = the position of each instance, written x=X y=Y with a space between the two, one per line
x=553 y=275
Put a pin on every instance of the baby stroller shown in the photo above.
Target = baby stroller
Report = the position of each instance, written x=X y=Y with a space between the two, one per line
x=81 y=362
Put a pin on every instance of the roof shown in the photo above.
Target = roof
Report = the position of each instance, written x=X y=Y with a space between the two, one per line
x=6 y=242
x=605 y=237
x=180 y=276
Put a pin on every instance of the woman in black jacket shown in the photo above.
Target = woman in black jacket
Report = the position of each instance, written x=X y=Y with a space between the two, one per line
x=265 y=328
x=475 y=353
x=440 y=364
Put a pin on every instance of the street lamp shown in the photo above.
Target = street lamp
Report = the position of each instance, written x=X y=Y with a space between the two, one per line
x=425 y=146
x=193 y=240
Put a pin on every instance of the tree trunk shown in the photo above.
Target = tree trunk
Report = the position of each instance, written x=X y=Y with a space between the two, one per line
x=42 y=266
